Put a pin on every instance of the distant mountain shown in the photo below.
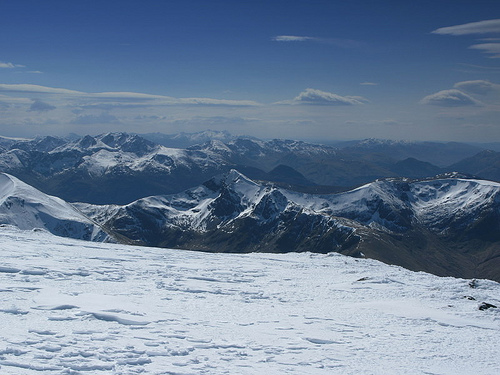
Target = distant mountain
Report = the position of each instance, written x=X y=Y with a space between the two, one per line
x=109 y=168
x=185 y=140
x=414 y=168
x=441 y=154
x=485 y=164
x=447 y=226
x=25 y=207
x=118 y=168
x=319 y=164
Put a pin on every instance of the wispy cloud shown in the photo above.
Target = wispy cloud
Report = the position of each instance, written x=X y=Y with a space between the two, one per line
x=450 y=98
x=8 y=65
x=492 y=69
x=28 y=88
x=338 y=42
x=467 y=93
x=121 y=97
x=490 y=48
x=476 y=28
x=481 y=27
x=479 y=87
x=318 y=97
x=368 y=83
x=292 y=38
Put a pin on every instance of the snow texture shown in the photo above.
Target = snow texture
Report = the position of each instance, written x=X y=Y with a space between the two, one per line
x=74 y=307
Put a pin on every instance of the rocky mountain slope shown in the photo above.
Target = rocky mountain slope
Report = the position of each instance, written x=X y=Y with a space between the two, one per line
x=448 y=225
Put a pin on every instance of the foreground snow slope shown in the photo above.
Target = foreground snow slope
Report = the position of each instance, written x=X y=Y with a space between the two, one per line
x=72 y=307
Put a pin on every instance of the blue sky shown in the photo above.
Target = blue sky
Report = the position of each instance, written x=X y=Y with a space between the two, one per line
x=422 y=70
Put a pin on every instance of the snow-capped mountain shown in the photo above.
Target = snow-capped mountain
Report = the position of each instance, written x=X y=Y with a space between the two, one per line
x=73 y=307
x=110 y=168
x=185 y=140
x=26 y=208
x=120 y=167
x=266 y=154
x=449 y=226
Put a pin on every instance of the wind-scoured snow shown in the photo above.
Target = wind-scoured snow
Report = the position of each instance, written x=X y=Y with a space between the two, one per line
x=73 y=307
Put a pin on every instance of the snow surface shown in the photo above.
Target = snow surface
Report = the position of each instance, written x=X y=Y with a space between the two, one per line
x=74 y=307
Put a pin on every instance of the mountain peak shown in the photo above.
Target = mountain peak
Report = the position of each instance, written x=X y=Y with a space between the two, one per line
x=230 y=179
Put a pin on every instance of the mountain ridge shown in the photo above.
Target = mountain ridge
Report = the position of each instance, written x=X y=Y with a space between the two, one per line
x=122 y=167
x=448 y=226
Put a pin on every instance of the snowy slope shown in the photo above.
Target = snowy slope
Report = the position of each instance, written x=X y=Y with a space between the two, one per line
x=72 y=307
x=27 y=208
x=397 y=204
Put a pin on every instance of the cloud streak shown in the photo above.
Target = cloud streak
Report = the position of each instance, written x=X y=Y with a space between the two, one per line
x=489 y=48
x=473 y=28
x=480 y=93
x=292 y=38
x=338 y=42
x=122 y=97
x=450 y=98
x=8 y=65
x=480 y=87
x=323 y=98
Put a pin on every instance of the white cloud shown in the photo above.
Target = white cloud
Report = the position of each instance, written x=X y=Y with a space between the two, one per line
x=120 y=97
x=368 y=83
x=480 y=87
x=490 y=48
x=474 y=28
x=481 y=27
x=318 y=97
x=450 y=98
x=8 y=65
x=28 y=88
x=338 y=42
x=292 y=38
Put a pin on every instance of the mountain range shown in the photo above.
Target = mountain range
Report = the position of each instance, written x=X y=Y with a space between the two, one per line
x=118 y=168
x=369 y=199
x=447 y=225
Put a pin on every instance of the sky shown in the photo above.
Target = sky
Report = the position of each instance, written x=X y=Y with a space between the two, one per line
x=312 y=70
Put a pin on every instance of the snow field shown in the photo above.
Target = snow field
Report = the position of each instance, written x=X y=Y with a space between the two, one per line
x=73 y=307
